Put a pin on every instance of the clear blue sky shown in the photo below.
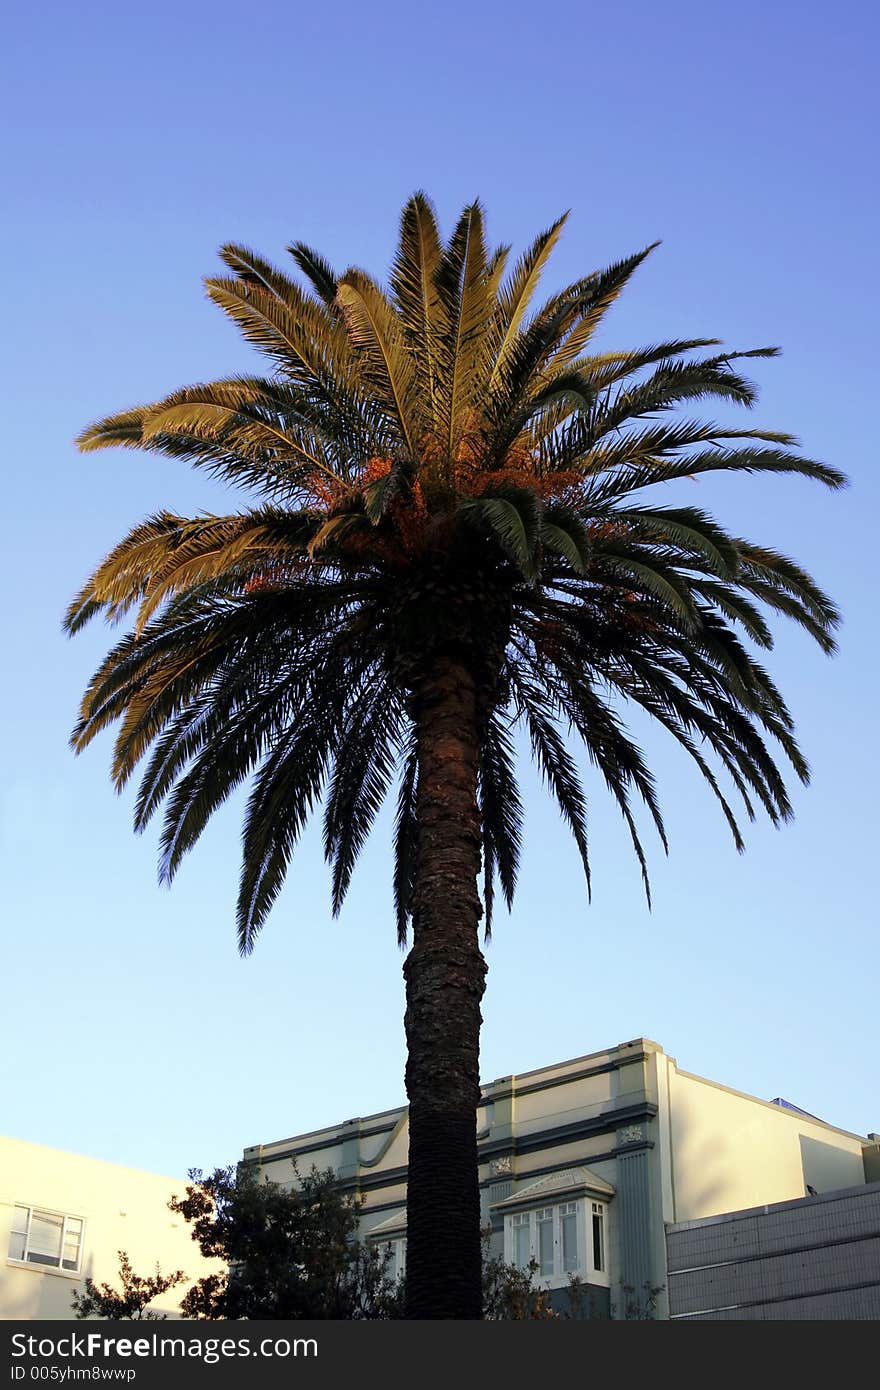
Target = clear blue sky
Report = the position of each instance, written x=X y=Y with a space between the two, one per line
x=138 y=138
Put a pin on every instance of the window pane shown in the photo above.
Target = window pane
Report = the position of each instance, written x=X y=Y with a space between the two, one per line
x=44 y=1242
x=545 y=1242
x=16 y=1245
x=70 y=1255
x=521 y=1254
x=568 y=1223
x=20 y=1219
x=598 y=1238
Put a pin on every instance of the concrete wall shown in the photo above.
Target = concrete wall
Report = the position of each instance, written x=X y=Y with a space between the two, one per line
x=813 y=1259
x=123 y=1209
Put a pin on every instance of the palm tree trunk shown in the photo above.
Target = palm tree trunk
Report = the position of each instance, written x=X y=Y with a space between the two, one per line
x=445 y=978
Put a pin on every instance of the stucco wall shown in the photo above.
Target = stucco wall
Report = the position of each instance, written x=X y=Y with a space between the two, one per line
x=123 y=1209
x=731 y=1151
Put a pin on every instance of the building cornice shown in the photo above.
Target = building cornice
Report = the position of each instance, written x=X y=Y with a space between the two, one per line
x=567 y=1079
x=606 y=1123
x=612 y=1120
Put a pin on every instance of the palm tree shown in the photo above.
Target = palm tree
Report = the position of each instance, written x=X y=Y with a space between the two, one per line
x=451 y=538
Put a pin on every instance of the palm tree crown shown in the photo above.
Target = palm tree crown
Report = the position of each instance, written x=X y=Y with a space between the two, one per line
x=455 y=493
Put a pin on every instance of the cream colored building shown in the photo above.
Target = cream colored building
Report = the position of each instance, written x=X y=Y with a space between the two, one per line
x=64 y=1217
x=584 y=1164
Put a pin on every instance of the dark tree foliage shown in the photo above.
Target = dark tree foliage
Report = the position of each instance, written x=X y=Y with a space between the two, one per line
x=291 y=1252
x=510 y=1293
x=131 y=1300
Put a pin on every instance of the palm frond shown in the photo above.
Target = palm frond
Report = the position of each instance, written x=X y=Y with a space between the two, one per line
x=606 y=368
x=514 y=298
x=416 y=298
x=323 y=278
x=513 y=519
x=406 y=839
x=374 y=330
x=502 y=815
x=252 y=269
x=585 y=305
x=363 y=764
x=467 y=306
x=556 y=766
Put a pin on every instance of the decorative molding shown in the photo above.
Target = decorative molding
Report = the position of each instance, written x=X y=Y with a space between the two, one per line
x=630 y=1134
x=608 y=1122
x=501 y=1167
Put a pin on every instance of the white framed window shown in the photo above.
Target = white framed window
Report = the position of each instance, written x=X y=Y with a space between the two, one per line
x=545 y=1240
x=568 y=1234
x=597 y=1233
x=564 y=1239
x=522 y=1239
x=50 y=1239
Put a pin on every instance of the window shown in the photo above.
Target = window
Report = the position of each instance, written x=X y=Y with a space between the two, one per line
x=559 y=1240
x=546 y=1242
x=598 y=1235
x=568 y=1234
x=522 y=1239
x=47 y=1238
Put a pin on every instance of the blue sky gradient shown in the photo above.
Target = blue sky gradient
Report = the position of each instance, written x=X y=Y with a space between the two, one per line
x=138 y=138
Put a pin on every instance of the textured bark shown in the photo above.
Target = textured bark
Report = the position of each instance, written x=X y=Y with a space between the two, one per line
x=445 y=978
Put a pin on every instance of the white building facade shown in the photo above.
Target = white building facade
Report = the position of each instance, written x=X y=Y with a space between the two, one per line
x=584 y=1164
x=65 y=1217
